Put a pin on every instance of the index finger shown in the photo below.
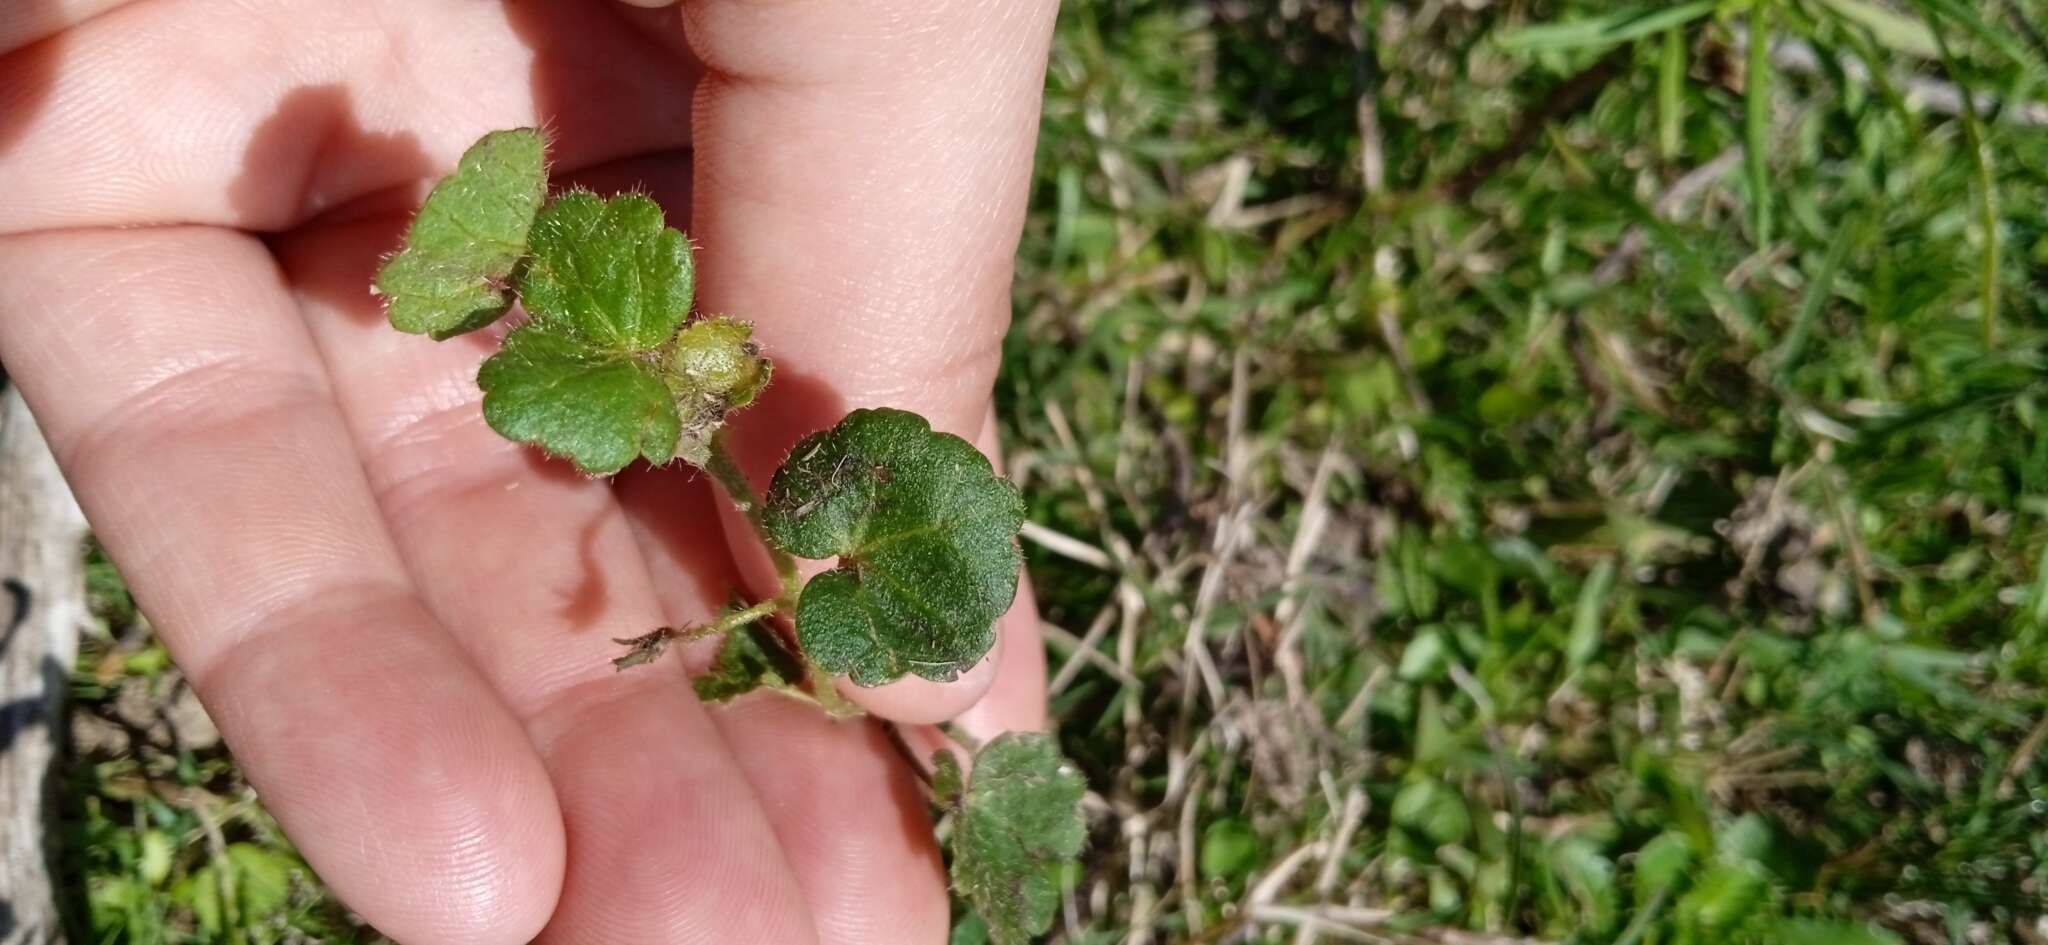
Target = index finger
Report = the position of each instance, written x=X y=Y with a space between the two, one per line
x=189 y=410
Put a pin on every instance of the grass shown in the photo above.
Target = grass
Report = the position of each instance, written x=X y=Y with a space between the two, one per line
x=1590 y=489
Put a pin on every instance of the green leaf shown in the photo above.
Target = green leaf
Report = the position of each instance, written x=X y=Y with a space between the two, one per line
x=1425 y=658
x=158 y=850
x=1587 y=622
x=609 y=272
x=263 y=879
x=949 y=783
x=607 y=287
x=1662 y=864
x=1433 y=811
x=970 y=930
x=200 y=892
x=1018 y=822
x=594 y=407
x=925 y=533
x=470 y=235
x=1589 y=875
x=747 y=662
x=1724 y=899
x=1230 y=849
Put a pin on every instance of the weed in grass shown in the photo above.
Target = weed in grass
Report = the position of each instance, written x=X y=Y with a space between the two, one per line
x=1699 y=570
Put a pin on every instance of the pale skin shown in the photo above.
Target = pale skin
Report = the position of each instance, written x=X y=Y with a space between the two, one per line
x=402 y=623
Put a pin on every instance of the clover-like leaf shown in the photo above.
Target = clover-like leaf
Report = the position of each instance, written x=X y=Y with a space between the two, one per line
x=606 y=288
x=925 y=533
x=597 y=408
x=748 y=659
x=608 y=271
x=469 y=237
x=1016 y=824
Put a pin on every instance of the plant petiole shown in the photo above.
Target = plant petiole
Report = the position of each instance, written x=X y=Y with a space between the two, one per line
x=723 y=468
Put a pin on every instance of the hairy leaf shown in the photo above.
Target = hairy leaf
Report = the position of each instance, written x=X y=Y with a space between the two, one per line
x=595 y=407
x=607 y=286
x=609 y=271
x=1017 y=823
x=470 y=235
x=925 y=533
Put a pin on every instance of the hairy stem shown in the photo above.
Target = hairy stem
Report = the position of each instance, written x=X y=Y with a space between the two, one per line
x=723 y=468
x=648 y=647
x=739 y=618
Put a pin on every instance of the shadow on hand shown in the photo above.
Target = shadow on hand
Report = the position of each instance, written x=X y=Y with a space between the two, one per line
x=313 y=129
x=590 y=68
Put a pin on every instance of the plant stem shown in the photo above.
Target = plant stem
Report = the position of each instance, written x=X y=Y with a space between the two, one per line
x=723 y=468
x=737 y=619
x=827 y=694
x=726 y=470
x=648 y=647
x=969 y=742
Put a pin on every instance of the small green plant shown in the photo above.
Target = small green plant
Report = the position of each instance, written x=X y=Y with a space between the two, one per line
x=610 y=368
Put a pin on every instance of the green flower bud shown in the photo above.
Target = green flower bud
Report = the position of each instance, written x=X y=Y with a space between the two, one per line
x=717 y=358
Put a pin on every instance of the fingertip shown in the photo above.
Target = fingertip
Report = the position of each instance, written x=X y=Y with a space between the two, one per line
x=1016 y=698
x=916 y=701
x=414 y=796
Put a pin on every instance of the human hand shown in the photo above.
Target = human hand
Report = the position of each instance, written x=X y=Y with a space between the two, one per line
x=401 y=622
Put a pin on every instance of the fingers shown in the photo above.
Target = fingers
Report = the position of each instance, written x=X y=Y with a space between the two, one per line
x=851 y=818
x=26 y=21
x=529 y=564
x=262 y=116
x=667 y=840
x=1015 y=700
x=848 y=814
x=535 y=570
x=861 y=175
x=191 y=414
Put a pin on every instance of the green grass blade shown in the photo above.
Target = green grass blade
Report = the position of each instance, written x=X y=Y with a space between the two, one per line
x=1756 y=126
x=1817 y=293
x=1987 y=185
x=1671 y=94
x=1893 y=31
x=1604 y=30
x=1587 y=622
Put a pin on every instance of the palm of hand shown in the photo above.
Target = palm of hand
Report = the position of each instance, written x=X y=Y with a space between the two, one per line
x=402 y=622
